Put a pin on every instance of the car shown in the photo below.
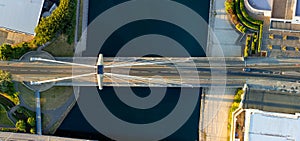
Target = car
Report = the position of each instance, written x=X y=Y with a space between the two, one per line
x=246 y=69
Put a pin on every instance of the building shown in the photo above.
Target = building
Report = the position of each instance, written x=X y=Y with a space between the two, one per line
x=284 y=14
x=270 y=126
x=8 y=136
x=20 y=15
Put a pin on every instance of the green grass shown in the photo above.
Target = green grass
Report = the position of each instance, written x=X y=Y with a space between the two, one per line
x=60 y=47
x=55 y=97
x=27 y=95
x=79 y=32
x=4 y=120
x=50 y=99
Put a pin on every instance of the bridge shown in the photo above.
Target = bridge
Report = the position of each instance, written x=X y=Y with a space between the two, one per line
x=149 y=71
x=144 y=71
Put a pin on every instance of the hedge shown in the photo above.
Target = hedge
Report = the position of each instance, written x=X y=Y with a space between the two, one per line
x=247 y=17
x=235 y=105
x=242 y=18
x=246 y=49
x=240 y=28
x=260 y=38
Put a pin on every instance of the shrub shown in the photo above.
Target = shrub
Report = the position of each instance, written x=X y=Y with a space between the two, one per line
x=31 y=121
x=6 y=85
x=32 y=130
x=246 y=49
x=229 y=6
x=240 y=28
x=21 y=125
x=234 y=19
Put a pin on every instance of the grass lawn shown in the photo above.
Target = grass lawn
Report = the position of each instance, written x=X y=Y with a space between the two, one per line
x=50 y=99
x=60 y=47
x=27 y=95
x=4 y=120
x=55 y=97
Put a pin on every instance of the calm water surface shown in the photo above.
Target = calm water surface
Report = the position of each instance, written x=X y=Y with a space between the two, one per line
x=75 y=125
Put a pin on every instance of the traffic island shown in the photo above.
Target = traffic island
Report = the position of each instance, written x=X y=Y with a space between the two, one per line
x=26 y=58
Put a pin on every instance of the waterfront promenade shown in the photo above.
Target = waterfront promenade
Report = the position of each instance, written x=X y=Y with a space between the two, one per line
x=214 y=113
x=225 y=33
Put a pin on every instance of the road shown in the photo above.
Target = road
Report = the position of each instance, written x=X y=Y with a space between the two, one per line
x=190 y=72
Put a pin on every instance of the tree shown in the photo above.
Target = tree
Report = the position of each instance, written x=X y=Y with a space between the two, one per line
x=21 y=125
x=6 y=85
x=5 y=52
x=8 y=52
x=31 y=121
x=58 y=21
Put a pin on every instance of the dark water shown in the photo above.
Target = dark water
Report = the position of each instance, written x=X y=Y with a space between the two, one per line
x=75 y=125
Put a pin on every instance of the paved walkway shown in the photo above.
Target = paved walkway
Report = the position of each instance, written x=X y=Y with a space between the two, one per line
x=213 y=115
x=226 y=34
x=38 y=113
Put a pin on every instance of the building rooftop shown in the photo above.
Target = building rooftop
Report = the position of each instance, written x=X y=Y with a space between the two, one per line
x=271 y=126
x=279 y=9
x=297 y=8
x=261 y=4
x=20 y=15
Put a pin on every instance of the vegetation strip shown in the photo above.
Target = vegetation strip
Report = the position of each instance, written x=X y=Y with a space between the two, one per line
x=242 y=21
x=235 y=105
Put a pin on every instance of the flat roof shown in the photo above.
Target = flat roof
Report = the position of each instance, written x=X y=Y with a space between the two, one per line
x=261 y=4
x=297 y=8
x=20 y=15
x=272 y=126
x=279 y=9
